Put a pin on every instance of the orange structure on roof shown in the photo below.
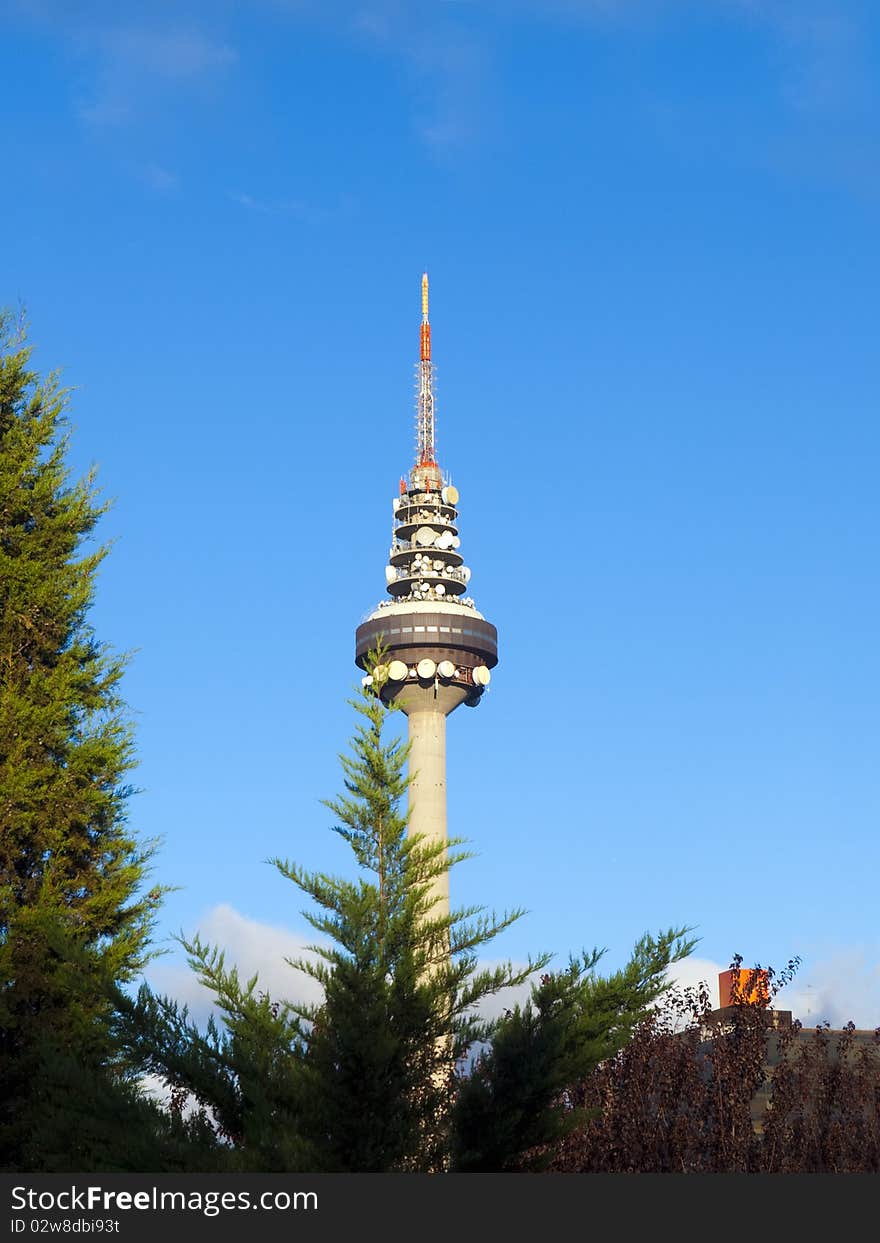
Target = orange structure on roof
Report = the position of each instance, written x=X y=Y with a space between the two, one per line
x=741 y=987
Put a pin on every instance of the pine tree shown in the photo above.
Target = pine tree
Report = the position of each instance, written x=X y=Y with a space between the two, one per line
x=244 y=1074
x=401 y=981
x=72 y=911
x=362 y=1081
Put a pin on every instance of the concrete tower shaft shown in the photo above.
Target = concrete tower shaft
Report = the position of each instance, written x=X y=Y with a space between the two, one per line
x=439 y=648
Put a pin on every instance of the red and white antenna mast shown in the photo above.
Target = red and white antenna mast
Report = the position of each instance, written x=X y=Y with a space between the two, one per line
x=426 y=470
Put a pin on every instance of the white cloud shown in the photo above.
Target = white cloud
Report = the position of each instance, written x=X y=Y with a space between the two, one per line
x=842 y=987
x=261 y=949
x=156 y=1088
x=136 y=63
x=297 y=209
x=254 y=948
x=451 y=64
x=448 y=69
x=493 y=1007
x=691 y=972
x=156 y=177
x=131 y=53
x=175 y=54
x=248 y=201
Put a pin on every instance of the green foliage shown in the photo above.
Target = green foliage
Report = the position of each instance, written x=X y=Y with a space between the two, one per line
x=88 y=1114
x=362 y=1080
x=244 y=1073
x=373 y=1077
x=70 y=871
x=366 y=1079
x=399 y=974
x=515 y=1100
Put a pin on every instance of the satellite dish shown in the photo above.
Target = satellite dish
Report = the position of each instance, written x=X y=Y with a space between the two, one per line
x=450 y=495
x=482 y=676
x=446 y=669
x=438 y=565
x=444 y=540
x=395 y=504
x=425 y=536
x=440 y=589
x=465 y=574
x=426 y=669
x=397 y=671
x=390 y=574
x=456 y=542
x=366 y=681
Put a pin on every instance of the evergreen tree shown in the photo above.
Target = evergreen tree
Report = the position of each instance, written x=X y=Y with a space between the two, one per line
x=517 y=1101
x=376 y=1076
x=401 y=979
x=72 y=911
x=363 y=1080
x=244 y=1074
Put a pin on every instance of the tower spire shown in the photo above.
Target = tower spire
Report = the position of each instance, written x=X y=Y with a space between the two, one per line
x=426 y=327
x=426 y=453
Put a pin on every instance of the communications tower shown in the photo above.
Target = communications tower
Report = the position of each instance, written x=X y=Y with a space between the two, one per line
x=439 y=648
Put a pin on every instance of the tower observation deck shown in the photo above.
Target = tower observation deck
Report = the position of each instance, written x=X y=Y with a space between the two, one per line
x=439 y=648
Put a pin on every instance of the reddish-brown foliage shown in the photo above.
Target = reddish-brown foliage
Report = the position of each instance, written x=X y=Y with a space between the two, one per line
x=733 y=1091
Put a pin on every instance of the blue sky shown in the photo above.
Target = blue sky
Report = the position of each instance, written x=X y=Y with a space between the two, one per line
x=651 y=230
